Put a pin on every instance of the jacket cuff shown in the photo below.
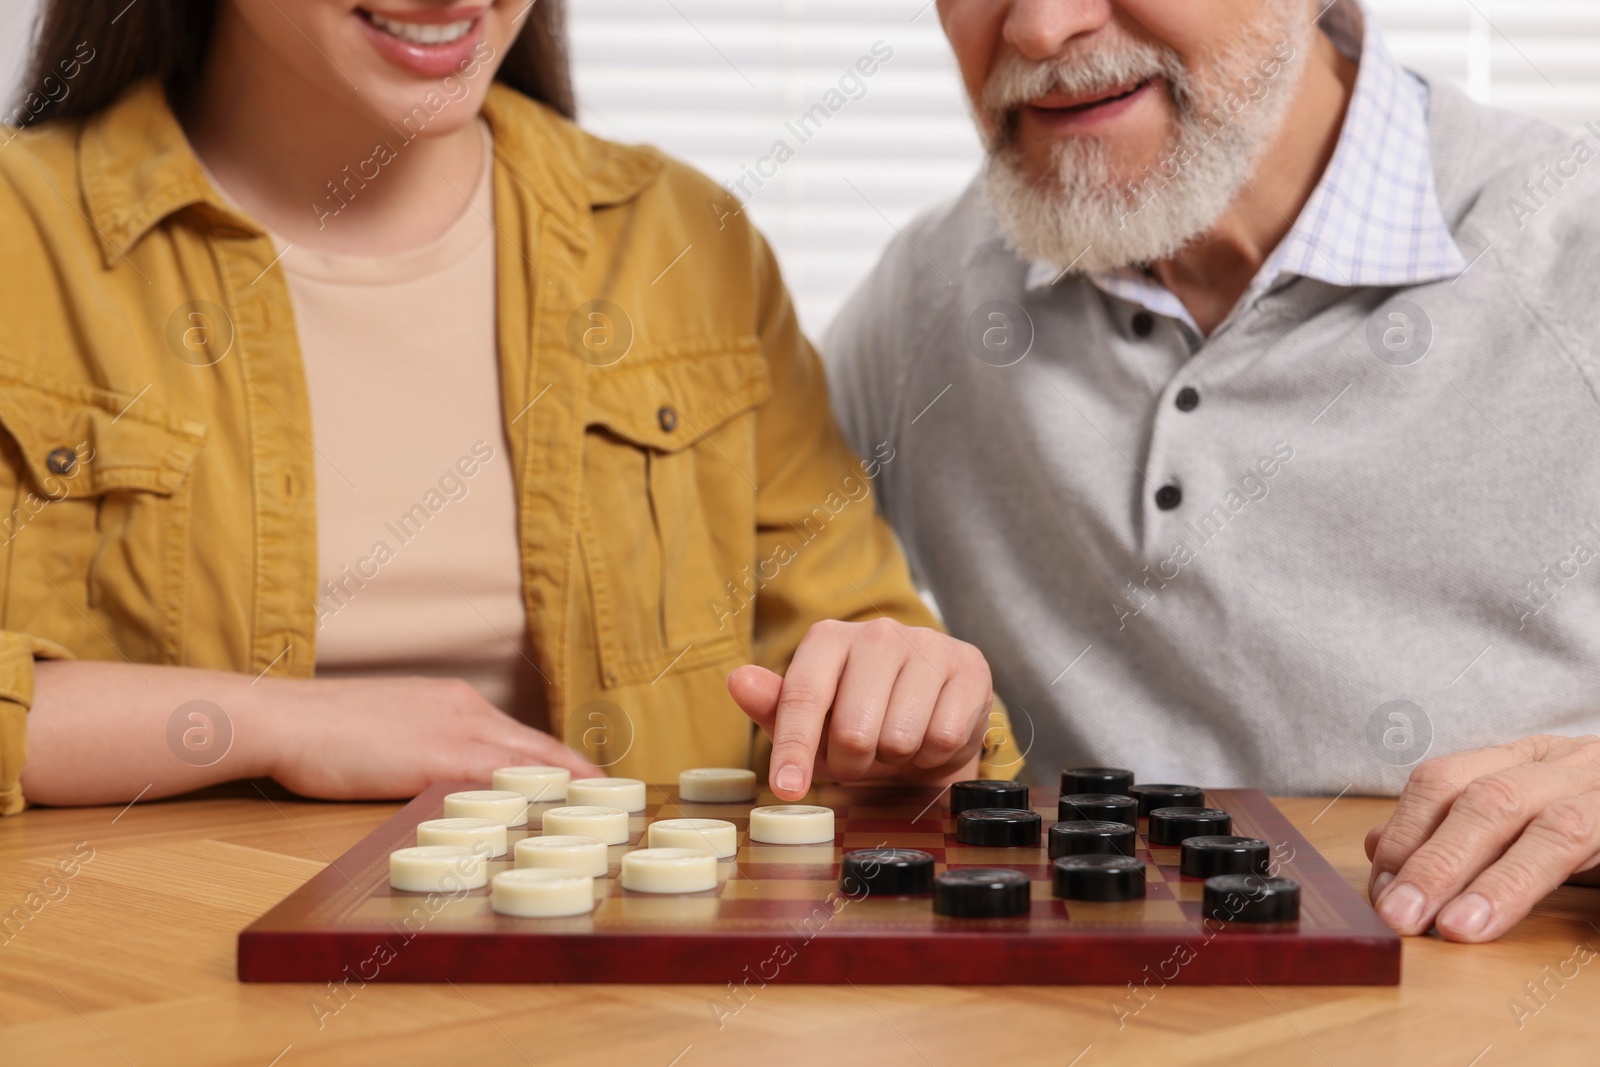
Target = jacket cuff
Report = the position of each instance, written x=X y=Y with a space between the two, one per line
x=1002 y=758
x=17 y=652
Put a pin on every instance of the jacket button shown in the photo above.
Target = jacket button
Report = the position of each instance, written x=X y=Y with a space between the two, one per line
x=1144 y=324
x=1168 y=497
x=1188 y=398
x=668 y=419
x=61 y=460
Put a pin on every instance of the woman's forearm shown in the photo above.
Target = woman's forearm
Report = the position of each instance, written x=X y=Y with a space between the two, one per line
x=103 y=733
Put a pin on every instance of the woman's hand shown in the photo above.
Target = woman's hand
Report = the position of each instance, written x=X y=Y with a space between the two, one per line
x=393 y=737
x=105 y=733
x=1479 y=838
x=870 y=700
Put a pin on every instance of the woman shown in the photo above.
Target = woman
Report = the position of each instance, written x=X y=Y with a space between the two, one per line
x=336 y=353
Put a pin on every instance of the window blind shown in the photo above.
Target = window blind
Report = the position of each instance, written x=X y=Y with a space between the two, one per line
x=1541 y=57
x=714 y=81
x=721 y=83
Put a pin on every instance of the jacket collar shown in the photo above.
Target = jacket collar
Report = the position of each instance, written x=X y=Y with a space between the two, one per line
x=569 y=170
x=137 y=168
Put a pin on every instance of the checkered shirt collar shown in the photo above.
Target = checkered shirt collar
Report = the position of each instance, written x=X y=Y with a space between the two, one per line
x=1373 y=220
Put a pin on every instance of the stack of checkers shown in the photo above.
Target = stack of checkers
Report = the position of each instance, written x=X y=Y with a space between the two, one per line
x=570 y=843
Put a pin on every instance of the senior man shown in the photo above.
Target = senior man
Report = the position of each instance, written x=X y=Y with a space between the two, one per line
x=1246 y=416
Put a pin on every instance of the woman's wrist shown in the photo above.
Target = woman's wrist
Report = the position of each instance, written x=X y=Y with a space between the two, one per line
x=271 y=714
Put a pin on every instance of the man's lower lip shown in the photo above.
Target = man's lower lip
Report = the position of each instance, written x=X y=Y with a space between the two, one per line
x=1080 y=118
x=427 y=60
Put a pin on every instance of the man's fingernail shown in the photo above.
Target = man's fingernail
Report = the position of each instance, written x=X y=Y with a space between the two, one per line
x=1380 y=883
x=789 y=779
x=1466 y=915
x=1402 y=908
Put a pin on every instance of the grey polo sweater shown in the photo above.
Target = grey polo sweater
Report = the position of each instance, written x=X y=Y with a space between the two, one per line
x=1385 y=541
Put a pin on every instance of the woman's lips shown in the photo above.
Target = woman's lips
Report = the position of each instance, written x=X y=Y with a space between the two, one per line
x=1058 y=111
x=429 y=60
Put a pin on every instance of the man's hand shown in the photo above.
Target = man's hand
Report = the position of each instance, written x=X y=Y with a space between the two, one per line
x=870 y=700
x=1479 y=838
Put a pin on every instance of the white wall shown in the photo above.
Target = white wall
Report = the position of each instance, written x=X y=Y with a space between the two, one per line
x=715 y=81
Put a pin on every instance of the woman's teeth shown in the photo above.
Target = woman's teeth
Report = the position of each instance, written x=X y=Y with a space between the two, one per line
x=422 y=33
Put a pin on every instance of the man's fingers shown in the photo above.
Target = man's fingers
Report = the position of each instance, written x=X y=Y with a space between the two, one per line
x=1374 y=835
x=1485 y=820
x=916 y=693
x=1426 y=800
x=1564 y=837
x=756 y=690
x=1377 y=881
x=876 y=659
x=808 y=692
x=961 y=714
x=863 y=696
x=956 y=730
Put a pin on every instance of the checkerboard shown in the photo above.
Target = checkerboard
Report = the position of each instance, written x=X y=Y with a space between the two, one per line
x=779 y=910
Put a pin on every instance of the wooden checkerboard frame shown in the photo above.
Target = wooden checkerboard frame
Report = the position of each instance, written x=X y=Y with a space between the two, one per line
x=779 y=914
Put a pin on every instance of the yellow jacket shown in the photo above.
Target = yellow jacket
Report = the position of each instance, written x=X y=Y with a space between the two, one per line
x=686 y=503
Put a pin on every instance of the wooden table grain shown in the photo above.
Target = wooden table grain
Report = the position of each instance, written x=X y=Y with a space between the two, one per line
x=118 y=926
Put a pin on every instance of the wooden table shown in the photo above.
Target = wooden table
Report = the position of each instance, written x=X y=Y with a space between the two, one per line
x=132 y=962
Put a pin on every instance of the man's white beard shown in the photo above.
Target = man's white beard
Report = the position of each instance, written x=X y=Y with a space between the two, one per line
x=1086 y=219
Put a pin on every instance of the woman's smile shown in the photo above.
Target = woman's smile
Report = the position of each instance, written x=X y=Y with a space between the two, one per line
x=429 y=42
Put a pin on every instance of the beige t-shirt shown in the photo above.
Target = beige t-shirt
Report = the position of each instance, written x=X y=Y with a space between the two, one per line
x=416 y=504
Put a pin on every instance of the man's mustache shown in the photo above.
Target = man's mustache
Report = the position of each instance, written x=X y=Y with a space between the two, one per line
x=1015 y=81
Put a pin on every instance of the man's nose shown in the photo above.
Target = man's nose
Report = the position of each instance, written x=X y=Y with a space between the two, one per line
x=1040 y=29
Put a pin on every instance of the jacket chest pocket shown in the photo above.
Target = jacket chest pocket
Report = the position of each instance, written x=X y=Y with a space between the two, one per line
x=668 y=507
x=96 y=531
